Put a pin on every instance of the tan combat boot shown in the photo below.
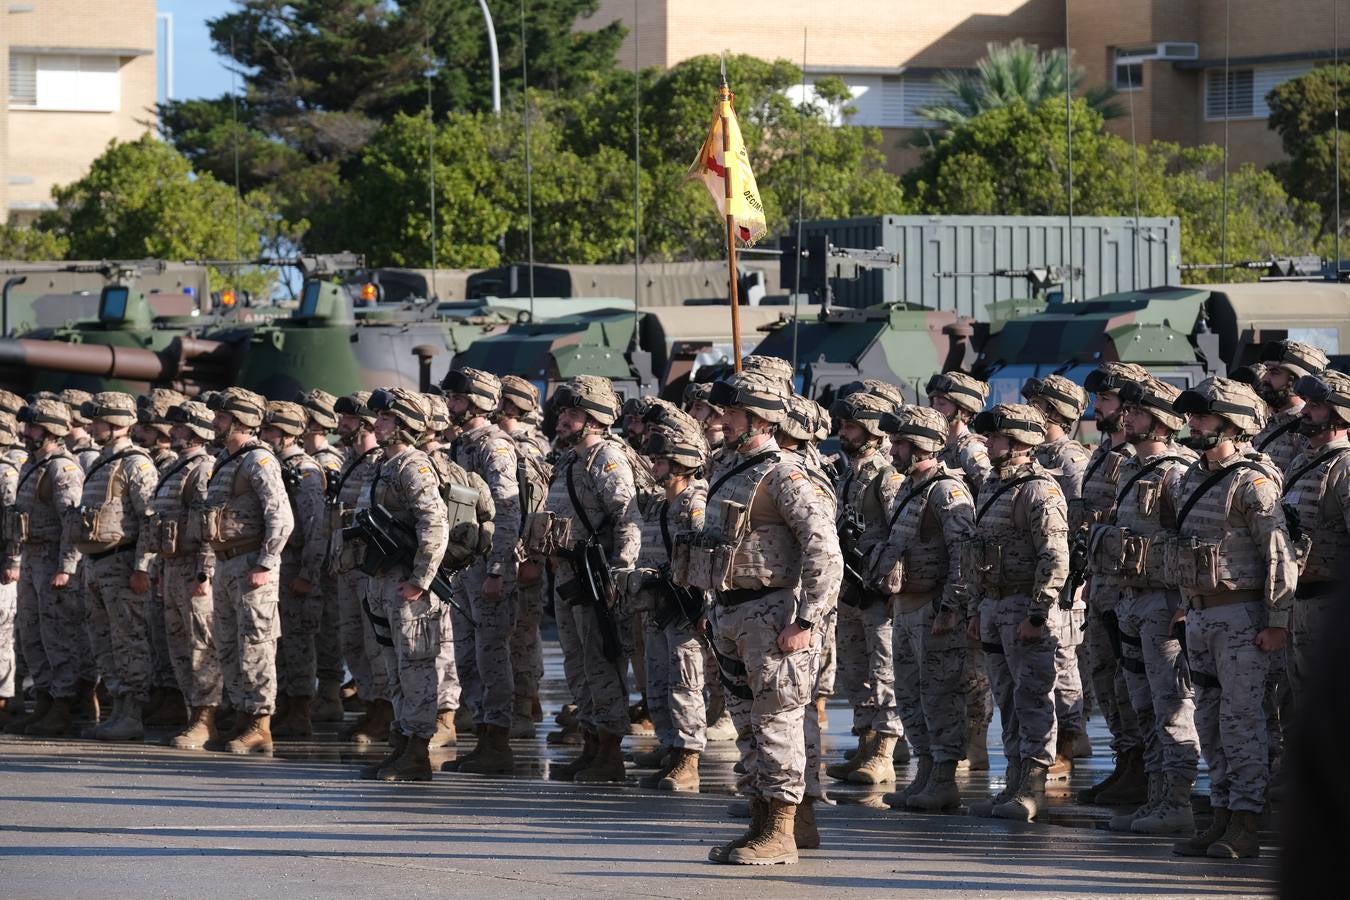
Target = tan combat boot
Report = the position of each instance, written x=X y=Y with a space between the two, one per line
x=1241 y=840
x=256 y=738
x=522 y=719
x=295 y=723
x=1198 y=845
x=200 y=730
x=1027 y=801
x=977 y=746
x=7 y=711
x=774 y=844
x=1062 y=768
x=940 y=793
x=166 y=708
x=378 y=721
x=759 y=812
x=495 y=756
x=608 y=763
x=805 y=831
x=128 y=726
x=1172 y=812
x=568 y=771
x=397 y=743
x=413 y=764
x=445 y=735
x=898 y=799
x=878 y=765
x=656 y=758
x=683 y=776
x=57 y=721
x=840 y=771
x=327 y=706
x=1012 y=779
x=1125 y=821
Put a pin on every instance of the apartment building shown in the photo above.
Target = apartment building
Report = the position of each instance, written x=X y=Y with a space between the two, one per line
x=1167 y=57
x=76 y=74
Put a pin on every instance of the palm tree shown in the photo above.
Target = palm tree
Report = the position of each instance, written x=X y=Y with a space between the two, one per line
x=1018 y=71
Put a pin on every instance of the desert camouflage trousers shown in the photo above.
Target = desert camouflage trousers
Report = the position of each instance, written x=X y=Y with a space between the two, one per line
x=297 y=659
x=675 y=674
x=359 y=647
x=189 y=631
x=50 y=624
x=120 y=613
x=864 y=645
x=527 y=651
x=247 y=624
x=1108 y=682
x=1159 y=679
x=1022 y=674
x=929 y=673
x=9 y=609
x=767 y=691
x=1229 y=673
x=415 y=636
x=490 y=636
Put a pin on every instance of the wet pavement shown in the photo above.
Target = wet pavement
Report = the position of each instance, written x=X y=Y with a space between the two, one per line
x=80 y=818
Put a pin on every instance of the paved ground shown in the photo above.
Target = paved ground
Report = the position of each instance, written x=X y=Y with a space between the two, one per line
x=80 y=819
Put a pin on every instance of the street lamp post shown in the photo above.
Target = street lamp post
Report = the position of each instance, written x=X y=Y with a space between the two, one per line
x=496 y=66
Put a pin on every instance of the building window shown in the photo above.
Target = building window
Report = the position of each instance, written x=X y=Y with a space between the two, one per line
x=920 y=92
x=22 y=79
x=1129 y=76
x=1245 y=97
x=883 y=101
x=65 y=82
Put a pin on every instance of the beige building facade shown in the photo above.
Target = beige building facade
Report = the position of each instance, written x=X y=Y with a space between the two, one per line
x=76 y=74
x=1165 y=56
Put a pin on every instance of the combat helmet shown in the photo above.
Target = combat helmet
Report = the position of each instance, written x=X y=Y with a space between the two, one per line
x=1297 y=359
x=10 y=402
x=924 y=427
x=52 y=415
x=244 y=405
x=592 y=394
x=680 y=443
x=1019 y=421
x=482 y=389
x=1157 y=398
x=1329 y=387
x=774 y=368
x=152 y=409
x=864 y=408
x=287 y=417
x=1057 y=397
x=801 y=419
x=966 y=392
x=356 y=404
x=696 y=392
x=664 y=414
x=193 y=416
x=1232 y=401
x=757 y=394
x=320 y=409
x=409 y=410
x=74 y=399
x=439 y=412
x=9 y=429
x=876 y=387
x=1107 y=380
x=114 y=407
x=521 y=393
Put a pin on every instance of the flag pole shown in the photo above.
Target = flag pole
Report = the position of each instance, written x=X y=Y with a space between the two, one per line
x=725 y=97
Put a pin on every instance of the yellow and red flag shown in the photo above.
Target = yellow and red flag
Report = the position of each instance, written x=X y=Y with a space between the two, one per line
x=711 y=168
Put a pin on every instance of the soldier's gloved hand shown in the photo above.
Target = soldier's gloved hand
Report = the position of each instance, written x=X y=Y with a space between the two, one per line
x=140 y=582
x=492 y=588
x=59 y=581
x=301 y=585
x=259 y=577
x=409 y=593
x=9 y=576
x=1272 y=639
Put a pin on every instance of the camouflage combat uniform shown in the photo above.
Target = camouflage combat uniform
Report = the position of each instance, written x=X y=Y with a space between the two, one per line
x=865 y=637
x=408 y=487
x=457 y=662
x=674 y=653
x=248 y=521
x=119 y=485
x=11 y=463
x=328 y=640
x=1239 y=578
x=489 y=453
x=303 y=557
x=779 y=563
x=527 y=652
x=1021 y=555
x=50 y=624
x=603 y=481
x=920 y=566
x=364 y=658
x=185 y=564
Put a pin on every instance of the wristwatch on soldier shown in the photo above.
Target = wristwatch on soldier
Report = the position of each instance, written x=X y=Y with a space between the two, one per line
x=804 y=624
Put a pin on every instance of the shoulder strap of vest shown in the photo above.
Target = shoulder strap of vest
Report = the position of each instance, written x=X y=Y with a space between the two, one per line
x=1096 y=463
x=220 y=467
x=1023 y=479
x=130 y=451
x=1277 y=433
x=1208 y=484
x=662 y=514
x=576 y=501
x=914 y=492
x=180 y=465
x=1330 y=454
x=1153 y=466
x=351 y=468
x=35 y=467
x=748 y=464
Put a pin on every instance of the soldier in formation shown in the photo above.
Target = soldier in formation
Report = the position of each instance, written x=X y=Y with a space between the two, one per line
x=441 y=525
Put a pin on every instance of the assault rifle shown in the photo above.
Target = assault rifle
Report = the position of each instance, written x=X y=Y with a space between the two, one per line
x=391 y=543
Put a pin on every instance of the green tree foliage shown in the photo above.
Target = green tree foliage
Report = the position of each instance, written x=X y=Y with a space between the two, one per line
x=1012 y=160
x=1015 y=72
x=21 y=243
x=141 y=199
x=1303 y=113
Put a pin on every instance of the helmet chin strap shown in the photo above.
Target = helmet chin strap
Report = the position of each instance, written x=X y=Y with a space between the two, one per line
x=749 y=435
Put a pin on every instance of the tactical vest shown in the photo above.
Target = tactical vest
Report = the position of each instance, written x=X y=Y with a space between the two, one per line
x=557 y=529
x=1130 y=547
x=344 y=494
x=167 y=530
x=470 y=531
x=232 y=521
x=110 y=521
x=1214 y=553
x=743 y=544
x=32 y=519
x=1056 y=456
x=959 y=456
x=1325 y=543
x=1101 y=481
x=10 y=458
x=1001 y=558
x=924 y=562
x=292 y=475
x=1280 y=440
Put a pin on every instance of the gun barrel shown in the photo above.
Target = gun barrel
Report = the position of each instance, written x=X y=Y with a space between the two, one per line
x=103 y=360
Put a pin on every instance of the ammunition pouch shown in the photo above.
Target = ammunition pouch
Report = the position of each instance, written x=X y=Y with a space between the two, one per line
x=1300 y=540
x=16 y=526
x=164 y=535
x=546 y=534
x=465 y=534
x=712 y=557
x=1191 y=564
x=680 y=551
x=99 y=528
